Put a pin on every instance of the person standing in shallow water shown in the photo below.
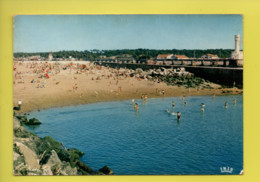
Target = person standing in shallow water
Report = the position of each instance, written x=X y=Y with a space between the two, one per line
x=202 y=107
x=178 y=115
x=173 y=104
x=136 y=106
x=226 y=104
x=145 y=97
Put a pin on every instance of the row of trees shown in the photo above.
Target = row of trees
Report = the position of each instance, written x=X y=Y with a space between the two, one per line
x=135 y=53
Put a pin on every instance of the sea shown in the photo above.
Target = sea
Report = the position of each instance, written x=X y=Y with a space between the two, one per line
x=151 y=141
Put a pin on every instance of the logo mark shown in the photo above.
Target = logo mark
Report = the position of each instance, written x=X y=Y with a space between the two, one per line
x=226 y=170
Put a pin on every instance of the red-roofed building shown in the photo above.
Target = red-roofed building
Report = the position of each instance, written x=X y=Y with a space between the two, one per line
x=210 y=56
x=165 y=56
x=180 y=57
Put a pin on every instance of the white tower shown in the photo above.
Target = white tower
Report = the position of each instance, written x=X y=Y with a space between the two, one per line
x=237 y=54
x=50 y=56
x=237 y=41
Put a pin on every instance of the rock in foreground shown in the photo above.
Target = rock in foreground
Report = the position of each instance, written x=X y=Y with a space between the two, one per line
x=106 y=170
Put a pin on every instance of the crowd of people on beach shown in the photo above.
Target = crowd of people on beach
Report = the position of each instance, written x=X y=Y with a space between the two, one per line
x=45 y=70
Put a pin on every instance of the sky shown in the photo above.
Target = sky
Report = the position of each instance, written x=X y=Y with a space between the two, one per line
x=45 y=33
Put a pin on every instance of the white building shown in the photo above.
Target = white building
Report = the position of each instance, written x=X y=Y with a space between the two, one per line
x=237 y=54
x=34 y=58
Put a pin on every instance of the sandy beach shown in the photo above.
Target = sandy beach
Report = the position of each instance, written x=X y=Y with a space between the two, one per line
x=41 y=85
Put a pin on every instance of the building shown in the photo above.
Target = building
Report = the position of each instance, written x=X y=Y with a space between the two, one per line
x=34 y=58
x=210 y=56
x=158 y=62
x=151 y=61
x=50 y=57
x=180 y=57
x=165 y=56
x=102 y=56
x=237 y=54
x=71 y=58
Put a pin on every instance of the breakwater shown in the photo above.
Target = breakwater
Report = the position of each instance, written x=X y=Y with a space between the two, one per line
x=227 y=76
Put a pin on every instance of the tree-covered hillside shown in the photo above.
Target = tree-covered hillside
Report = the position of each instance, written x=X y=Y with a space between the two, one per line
x=135 y=53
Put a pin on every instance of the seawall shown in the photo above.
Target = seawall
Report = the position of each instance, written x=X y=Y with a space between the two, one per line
x=227 y=76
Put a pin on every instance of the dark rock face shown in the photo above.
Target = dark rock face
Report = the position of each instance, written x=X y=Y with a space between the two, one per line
x=33 y=121
x=23 y=119
x=84 y=168
x=106 y=170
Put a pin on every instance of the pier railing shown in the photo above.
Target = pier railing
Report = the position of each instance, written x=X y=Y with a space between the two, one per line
x=222 y=62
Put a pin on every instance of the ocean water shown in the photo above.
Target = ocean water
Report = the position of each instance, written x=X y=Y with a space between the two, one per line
x=151 y=141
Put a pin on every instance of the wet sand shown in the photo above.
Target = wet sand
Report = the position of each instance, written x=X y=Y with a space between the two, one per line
x=68 y=83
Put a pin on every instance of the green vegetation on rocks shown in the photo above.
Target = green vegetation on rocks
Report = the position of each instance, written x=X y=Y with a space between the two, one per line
x=23 y=119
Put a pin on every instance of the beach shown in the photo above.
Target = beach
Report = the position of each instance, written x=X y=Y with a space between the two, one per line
x=42 y=84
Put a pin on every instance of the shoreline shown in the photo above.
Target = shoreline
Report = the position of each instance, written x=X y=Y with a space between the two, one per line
x=76 y=99
x=42 y=85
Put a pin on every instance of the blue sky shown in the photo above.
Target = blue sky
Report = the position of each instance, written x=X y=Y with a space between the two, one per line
x=45 y=33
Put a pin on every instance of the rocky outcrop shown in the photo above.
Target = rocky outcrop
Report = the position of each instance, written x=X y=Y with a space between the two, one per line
x=175 y=77
x=106 y=170
x=32 y=121
x=45 y=156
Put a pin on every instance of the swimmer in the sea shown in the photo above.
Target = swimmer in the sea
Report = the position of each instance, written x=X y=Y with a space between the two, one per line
x=172 y=113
